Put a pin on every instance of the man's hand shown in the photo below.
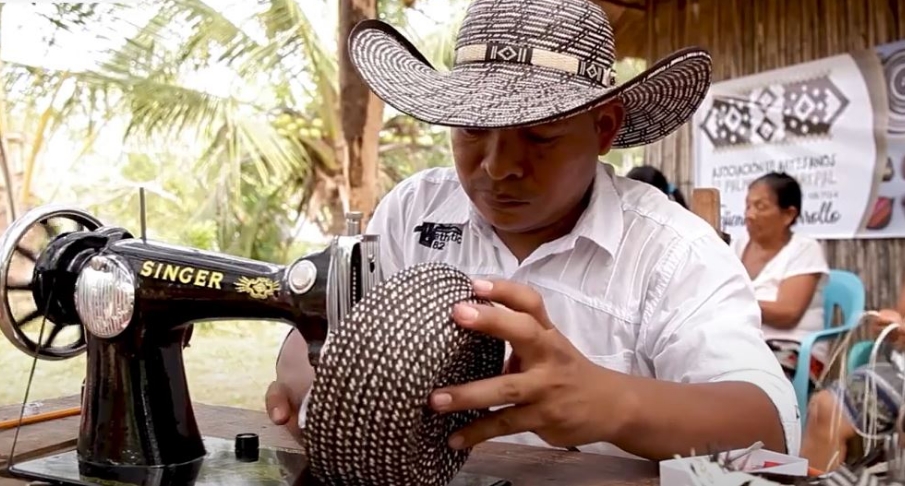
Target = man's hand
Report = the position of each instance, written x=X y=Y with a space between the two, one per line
x=550 y=387
x=283 y=406
x=294 y=377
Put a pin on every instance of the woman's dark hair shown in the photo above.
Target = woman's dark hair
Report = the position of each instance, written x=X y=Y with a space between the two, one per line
x=785 y=188
x=651 y=175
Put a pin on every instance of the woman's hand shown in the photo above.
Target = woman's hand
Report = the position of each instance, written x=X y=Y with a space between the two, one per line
x=549 y=388
x=881 y=321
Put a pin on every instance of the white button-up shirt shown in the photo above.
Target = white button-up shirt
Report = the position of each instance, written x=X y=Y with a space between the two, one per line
x=640 y=286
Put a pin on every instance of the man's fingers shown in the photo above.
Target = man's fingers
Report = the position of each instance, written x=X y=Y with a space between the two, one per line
x=512 y=365
x=518 y=329
x=278 y=403
x=506 y=421
x=511 y=389
x=515 y=296
x=281 y=409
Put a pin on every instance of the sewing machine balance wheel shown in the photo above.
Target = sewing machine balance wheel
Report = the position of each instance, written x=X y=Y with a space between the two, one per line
x=21 y=246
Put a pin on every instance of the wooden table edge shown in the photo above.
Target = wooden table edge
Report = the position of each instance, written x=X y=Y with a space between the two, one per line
x=524 y=465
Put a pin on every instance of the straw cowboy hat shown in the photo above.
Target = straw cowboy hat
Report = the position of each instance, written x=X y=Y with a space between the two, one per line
x=526 y=62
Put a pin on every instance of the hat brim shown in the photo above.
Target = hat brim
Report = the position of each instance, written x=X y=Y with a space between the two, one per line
x=508 y=95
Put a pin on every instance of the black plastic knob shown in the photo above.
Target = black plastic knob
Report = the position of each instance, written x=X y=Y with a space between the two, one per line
x=247 y=447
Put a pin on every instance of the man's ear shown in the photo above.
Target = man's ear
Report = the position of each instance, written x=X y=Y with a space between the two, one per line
x=609 y=119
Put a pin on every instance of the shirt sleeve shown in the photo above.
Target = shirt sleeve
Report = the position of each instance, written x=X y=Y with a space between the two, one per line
x=702 y=324
x=738 y=245
x=807 y=258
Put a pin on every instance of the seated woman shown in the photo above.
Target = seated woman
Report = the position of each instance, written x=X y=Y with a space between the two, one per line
x=651 y=175
x=838 y=414
x=788 y=270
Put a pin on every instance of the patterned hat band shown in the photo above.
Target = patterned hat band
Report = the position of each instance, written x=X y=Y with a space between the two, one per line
x=533 y=56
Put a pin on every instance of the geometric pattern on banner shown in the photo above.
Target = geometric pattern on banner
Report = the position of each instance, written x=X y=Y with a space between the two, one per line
x=775 y=113
x=894 y=71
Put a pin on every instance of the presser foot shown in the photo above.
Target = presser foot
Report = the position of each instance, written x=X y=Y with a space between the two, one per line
x=239 y=462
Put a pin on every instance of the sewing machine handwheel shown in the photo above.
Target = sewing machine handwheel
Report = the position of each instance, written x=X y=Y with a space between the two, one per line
x=17 y=258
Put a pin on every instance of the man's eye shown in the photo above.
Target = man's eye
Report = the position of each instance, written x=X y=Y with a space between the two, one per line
x=473 y=132
x=540 y=139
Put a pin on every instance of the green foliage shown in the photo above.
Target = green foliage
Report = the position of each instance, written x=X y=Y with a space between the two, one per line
x=392 y=11
x=166 y=190
x=234 y=176
x=237 y=165
x=202 y=235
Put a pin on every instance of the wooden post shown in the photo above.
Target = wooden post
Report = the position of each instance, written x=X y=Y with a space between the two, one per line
x=705 y=202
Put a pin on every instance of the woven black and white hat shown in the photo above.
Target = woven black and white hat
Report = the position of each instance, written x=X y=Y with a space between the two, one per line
x=526 y=62
x=368 y=420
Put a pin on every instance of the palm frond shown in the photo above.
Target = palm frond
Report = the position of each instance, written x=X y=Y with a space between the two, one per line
x=155 y=77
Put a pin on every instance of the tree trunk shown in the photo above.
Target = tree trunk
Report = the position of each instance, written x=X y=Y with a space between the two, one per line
x=361 y=113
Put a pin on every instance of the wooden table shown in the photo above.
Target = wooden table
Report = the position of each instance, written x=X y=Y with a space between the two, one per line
x=522 y=465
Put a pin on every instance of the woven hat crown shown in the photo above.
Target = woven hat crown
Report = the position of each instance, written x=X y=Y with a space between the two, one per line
x=570 y=35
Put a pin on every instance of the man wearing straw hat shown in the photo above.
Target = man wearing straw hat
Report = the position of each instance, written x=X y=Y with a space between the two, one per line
x=633 y=328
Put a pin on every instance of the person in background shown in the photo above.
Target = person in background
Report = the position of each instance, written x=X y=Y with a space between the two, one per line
x=653 y=176
x=788 y=270
x=837 y=414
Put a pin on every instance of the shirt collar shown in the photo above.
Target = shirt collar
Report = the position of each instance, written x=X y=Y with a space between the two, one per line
x=601 y=223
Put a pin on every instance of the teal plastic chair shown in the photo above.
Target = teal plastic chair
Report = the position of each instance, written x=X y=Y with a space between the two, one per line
x=845 y=290
x=859 y=355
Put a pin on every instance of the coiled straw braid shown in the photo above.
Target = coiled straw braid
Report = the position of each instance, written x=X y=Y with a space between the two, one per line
x=368 y=419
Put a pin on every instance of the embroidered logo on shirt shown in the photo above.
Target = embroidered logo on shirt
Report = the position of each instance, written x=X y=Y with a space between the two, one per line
x=436 y=236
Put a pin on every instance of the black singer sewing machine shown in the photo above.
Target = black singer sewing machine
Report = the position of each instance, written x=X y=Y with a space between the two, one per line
x=133 y=302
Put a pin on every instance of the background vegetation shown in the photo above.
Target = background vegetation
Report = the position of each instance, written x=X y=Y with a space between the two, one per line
x=227 y=114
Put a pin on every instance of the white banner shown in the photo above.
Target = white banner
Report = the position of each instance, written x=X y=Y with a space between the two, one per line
x=836 y=124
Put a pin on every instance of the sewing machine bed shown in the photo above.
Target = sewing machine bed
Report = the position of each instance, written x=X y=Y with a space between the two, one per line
x=274 y=467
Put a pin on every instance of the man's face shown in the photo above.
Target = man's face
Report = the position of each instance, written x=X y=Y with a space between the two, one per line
x=525 y=179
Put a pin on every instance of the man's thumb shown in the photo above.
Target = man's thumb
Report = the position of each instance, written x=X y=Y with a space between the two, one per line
x=277 y=403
